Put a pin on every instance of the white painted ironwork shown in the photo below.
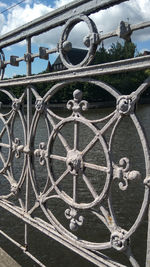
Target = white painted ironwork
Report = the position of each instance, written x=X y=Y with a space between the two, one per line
x=74 y=157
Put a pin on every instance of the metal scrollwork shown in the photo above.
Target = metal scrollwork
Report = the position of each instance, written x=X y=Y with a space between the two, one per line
x=14 y=188
x=74 y=162
x=124 y=105
x=122 y=172
x=75 y=220
x=118 y=240
x=14 y=148
x=39 y=105
x=17 y=147
x=41 y=153
x=16 y=104
x=77 y=104
x=147 y=181
x=76 y=168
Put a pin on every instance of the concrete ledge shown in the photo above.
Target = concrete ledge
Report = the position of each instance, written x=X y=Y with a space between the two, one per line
x=6 y=260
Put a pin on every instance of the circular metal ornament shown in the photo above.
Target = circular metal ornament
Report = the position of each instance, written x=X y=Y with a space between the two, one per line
x=75 y=164
x=64 y=45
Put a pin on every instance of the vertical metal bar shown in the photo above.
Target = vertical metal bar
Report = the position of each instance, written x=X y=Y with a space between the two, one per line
x=74 y=188
x=148 y=241
x=29 y=52
x=76 y=133
x=29 y=115
x=29 y=94
x=76 y=144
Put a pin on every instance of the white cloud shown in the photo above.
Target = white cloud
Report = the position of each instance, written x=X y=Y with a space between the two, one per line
x=3 y=5
x=59 y=3
x=2 y=19
x=21 y=15
x=134 y=11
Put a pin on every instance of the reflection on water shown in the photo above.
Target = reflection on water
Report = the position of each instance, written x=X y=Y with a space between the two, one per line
x=126 y=203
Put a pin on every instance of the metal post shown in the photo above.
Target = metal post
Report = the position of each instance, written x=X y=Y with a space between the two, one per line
x=148 y=241
x=29 y=114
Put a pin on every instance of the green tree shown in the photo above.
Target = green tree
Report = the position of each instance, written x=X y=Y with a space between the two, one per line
x=120 y=51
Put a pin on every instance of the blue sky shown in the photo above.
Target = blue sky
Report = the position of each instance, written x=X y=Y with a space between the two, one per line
x=135 y=11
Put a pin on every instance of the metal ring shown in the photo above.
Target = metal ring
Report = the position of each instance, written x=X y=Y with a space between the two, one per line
x=92 y=48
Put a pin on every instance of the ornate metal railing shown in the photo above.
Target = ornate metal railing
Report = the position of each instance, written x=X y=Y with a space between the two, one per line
x=15 y=192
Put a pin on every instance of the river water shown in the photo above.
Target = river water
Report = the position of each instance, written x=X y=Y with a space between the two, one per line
x=126 y=203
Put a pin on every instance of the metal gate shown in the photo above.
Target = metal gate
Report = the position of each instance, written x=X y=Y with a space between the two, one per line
x=16 y=198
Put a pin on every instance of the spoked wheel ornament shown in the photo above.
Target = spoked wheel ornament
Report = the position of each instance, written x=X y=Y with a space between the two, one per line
x=75 y=158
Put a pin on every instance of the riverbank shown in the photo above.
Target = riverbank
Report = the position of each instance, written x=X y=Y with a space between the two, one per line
x=92 y=105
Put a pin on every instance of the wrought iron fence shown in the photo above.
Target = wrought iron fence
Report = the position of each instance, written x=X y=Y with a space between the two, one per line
x=15 y=198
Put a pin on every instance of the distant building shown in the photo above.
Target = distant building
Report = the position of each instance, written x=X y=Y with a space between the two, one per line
x=146 y=53
x=75 y=56
x=49 y=67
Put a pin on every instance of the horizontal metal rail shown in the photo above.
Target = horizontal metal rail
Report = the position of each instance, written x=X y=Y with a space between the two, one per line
x=15 y=60
x=128 y=65
x=54 y=19
x=134 y=27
